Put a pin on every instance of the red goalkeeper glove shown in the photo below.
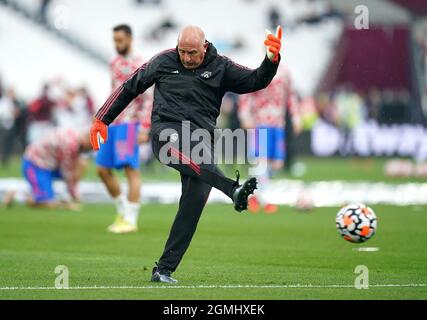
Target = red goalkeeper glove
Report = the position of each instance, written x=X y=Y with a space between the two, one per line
x=98 y=133
x=273 y=44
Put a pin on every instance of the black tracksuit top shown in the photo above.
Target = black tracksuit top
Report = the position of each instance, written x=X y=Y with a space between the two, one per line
x=182 y=94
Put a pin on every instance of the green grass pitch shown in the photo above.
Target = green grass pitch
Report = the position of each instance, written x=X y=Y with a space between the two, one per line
x=317 y=169
x=288 y=255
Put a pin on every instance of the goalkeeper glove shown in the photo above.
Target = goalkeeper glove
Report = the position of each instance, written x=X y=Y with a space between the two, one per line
x=98 y=133
x=273 y=44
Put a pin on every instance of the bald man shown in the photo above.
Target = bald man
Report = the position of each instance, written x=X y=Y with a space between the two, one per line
x=190 y=81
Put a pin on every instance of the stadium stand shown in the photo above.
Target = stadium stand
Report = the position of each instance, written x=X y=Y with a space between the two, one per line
x=76 y=17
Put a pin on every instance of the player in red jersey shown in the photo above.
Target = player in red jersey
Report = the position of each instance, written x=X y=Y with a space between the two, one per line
x=265 y=110
x=55 y=156
x=129 y=129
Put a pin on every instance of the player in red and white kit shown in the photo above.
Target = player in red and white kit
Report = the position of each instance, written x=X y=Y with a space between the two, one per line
x=130 y=128
x=56 y=156
x=265 y=112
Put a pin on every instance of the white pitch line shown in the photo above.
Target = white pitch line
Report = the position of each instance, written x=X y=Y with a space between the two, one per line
x=297 y=286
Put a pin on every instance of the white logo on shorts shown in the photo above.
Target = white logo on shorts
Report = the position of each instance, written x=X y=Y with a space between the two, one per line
x=173 y=137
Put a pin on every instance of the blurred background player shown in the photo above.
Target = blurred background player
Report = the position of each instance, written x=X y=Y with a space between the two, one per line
x=266 y=110
x=13 y=119
x=40 y=115
x=130 y=128
x=56 y=156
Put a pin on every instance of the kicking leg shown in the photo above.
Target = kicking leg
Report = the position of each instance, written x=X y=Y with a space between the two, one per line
x=213 y=176
x=171 y=155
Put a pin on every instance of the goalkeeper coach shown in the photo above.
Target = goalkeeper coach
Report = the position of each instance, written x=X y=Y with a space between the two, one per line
x=190 y=81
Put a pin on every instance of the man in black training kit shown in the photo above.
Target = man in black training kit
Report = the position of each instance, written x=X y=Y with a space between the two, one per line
x=190 y=81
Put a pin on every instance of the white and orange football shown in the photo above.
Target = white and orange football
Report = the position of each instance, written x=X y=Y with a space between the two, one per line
x=356 y=222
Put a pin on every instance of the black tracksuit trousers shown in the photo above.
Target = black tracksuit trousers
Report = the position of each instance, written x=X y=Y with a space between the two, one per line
x=197 y=180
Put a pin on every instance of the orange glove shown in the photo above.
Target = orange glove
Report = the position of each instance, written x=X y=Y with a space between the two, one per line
x=273 y=43
x=98 y=133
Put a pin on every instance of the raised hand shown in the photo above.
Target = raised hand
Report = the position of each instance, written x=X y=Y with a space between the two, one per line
x=273 y=44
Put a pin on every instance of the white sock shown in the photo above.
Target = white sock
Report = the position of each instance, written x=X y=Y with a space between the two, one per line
x=120 y=202
x=132 y=212
x=263 y=182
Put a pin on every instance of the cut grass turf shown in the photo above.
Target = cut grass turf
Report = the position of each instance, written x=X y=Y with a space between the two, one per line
x=287 y=248
x=317 y=169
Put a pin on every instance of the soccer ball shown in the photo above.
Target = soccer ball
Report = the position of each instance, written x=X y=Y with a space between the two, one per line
x=356 y=222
